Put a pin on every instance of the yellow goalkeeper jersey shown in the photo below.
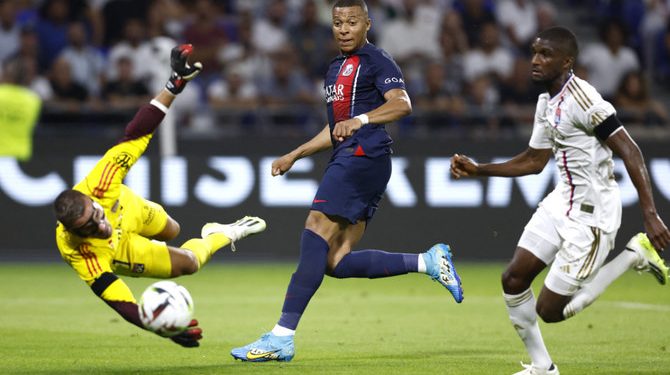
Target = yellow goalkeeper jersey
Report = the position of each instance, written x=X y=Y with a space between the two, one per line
x=91 y=257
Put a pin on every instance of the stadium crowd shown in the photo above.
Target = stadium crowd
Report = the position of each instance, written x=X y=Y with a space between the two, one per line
x=465 y=62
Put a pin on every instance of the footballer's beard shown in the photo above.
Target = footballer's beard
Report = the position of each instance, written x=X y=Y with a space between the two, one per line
x=547 y=81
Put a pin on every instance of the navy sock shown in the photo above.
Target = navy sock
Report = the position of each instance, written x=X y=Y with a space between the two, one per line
x=375 y=263
x=306 y=279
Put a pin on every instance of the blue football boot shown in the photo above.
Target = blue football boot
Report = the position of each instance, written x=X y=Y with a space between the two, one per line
x=440 y=268
x=268 y=348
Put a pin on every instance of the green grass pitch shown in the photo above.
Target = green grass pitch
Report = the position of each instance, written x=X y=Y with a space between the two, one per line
x=53 y=324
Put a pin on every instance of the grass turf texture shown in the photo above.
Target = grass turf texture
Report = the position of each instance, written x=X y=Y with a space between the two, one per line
x=53 y=324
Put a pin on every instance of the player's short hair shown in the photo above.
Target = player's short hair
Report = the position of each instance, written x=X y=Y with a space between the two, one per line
x=565 y=38
x=351 y=3
x=69 y=206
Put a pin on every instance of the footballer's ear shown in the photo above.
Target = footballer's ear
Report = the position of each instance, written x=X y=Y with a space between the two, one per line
x=569 y=63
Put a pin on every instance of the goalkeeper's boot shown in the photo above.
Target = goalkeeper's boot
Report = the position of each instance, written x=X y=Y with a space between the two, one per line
x=649 y=260
x=532 y=370
x=236 y=231
x=441 y=269
x=268 y=348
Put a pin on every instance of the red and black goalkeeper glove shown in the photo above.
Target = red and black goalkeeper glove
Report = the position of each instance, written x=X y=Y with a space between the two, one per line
x=182 y=72
x=190 y=337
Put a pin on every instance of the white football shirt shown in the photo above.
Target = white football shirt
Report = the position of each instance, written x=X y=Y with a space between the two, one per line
x=587 y=191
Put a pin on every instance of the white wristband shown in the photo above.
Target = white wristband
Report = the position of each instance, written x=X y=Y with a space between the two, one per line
x=160 y=105
x=363 y=118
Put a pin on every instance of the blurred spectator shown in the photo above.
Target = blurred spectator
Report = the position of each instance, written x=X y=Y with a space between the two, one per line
x=235 y=99
x=546 y=15
x=287 y=93
x=661 y=70
x=9 y=30
x=86 y=61
x=243 y=56
x=475 y=13
x=607 y=61
x=31 y=78
x=95 y=24
x=451 y=60
x=134 y=45
x=452 y=26
x=157 y=52
x=68 y=95
x=208 y=32
x=482 y=99
x=656 y=16
x=117 y=13
x=19 y=112
x=581 y=72
x=435 y=103
x=269 y=32
x=125 y=92
x=379 y=12
x=518 y=18
x=488 y=57
x=519 y=95
x=313 y=41
x=413 y=35
x=629 y=12
x=635 y=105
x=166 y=18
x=51 y=29
x=29 y=46
x=233 y=92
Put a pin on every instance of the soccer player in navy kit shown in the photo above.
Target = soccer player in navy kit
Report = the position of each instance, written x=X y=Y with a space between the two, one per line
x=364 y=90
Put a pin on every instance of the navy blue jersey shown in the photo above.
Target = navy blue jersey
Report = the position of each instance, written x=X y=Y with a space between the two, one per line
x=356 y=84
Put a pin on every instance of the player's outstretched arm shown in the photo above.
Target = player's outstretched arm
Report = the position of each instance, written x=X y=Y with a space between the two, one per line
x=623 y=146
x=119 y=297
x=531 y=161
x=319 y=143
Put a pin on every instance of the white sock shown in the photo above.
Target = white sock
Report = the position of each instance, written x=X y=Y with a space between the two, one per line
x=521 y=309
x=421 y=264
x=282 y=331
x=605 y=276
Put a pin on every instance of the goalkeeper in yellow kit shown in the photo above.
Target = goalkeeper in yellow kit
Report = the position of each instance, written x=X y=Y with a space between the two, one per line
x=105 y=229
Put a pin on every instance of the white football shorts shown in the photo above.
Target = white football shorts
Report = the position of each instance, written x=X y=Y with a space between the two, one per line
x=576 y=250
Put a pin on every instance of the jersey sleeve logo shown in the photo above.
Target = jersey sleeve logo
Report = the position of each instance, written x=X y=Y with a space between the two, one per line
x=394 y=80
x=124 y=160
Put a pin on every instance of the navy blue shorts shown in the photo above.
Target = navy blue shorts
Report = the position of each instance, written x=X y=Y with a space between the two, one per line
x=352 y=187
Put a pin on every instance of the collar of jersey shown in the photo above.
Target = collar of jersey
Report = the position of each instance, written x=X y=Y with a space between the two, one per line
x=356 y=52
x=560 y=93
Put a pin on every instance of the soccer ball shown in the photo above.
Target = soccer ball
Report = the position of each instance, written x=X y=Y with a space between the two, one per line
x=166 y=308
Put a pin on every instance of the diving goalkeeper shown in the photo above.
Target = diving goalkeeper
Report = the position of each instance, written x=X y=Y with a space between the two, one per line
x=105 y=229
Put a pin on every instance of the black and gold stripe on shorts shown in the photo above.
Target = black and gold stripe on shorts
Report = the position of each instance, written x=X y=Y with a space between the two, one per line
x=587 y=267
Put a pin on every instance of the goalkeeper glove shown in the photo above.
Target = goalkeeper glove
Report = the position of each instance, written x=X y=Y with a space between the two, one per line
x=190 y=337
x=182 y=72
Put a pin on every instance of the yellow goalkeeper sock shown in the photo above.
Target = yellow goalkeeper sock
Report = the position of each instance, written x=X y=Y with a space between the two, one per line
x=204 y=248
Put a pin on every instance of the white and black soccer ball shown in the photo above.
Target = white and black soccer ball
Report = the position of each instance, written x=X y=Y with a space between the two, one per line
x=166 y=308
